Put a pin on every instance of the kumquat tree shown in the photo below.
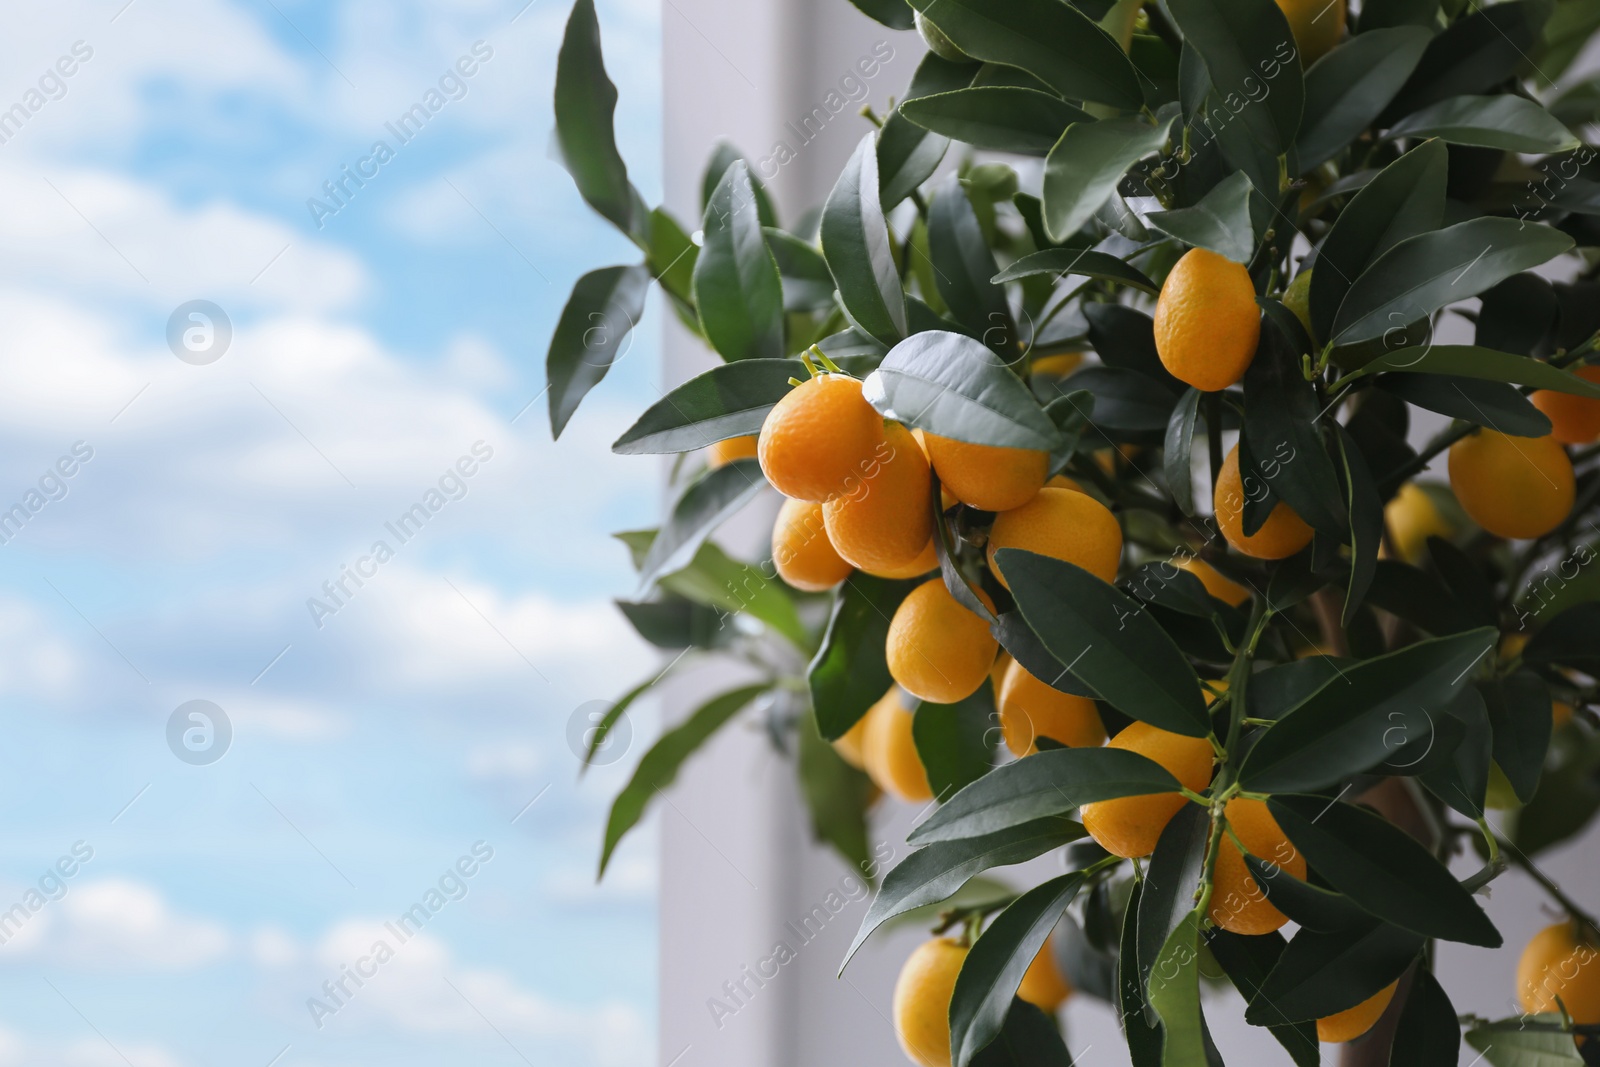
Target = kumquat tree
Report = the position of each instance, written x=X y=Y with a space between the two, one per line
x=1089 y=393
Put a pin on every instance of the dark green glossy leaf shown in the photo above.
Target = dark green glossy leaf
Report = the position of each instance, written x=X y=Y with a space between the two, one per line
x=1175 y=871
x=1124 y=337
x=908 y=154
x=1428 y=1034
x=1281 y=412
x=675 y=623
x=723 y=156
x=1011 y=630
x=1144 y=1041
x=1307 y=905
x=1406 y=198
x=1083 y=169
x=1514 y=1047
x=807 y=283
x=1049 y=782
x=671 y=256
x=1178 y=448
x=717 y=580
x=953 y=740
x=1248 y=961
x=1053 y=41
x=951 y=385
x=1383 y=869
x=1424 y=273
x=1320 y=974
x=705 y=504
x=1473 y=55
x=850 y=673
x=963 y=267
x=1367 y=713
x=1496 y=405
x=1219 y=222
x=1000 y=118
x=855 y=242
x=737 y=291
x=1348 y=88
x=1028 y=1038
x=1398 y=13
x=1509 y=122
x=1175 y=995
x=1365 y=507
x=1276 y=690
x=998 y=958
x=1247 y=45
x=1519 y=714
x=1125 y=400
x=836 y=794
x=895 y=14
x=659 y=766
x=1568 y=796
x=585 y=100
x=933 y=873
x=1469 y=361
x=1463 y=782
x=1518 y=315
x=1079 y=262
x=1571 y=639
x=1107 y=641
x=727 y=401
x=598 y=317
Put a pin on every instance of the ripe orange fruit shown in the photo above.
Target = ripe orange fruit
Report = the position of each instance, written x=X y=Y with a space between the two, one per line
x=1226 y=590
x=721 y=453
x=851 y=744
x=801 y=551
x=1063 y=524
x=889 y=752
x=1317 y=26
x=1560 y=963
x=1061 y=481
x=1030 y=709
x=1574 y=420
x=987 y=477
x=883 y=523
x=817 y=439
x=1057 y=366
x=1043 y=985
x=1130 y=826
x=1281 y=536
x=922 y=1000
x=1237 y=901
x=1413 y=517
x=1207 y=322
x=1514 y=487
x=937 y=649
x=1351 y=1023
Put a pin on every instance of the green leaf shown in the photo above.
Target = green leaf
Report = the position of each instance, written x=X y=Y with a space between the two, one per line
x=1509 y=122
x=1028 y=1038
x=855 y=242
x=1049 y=782
x=963 y=267
x=932 y=874
x=1248 y=47
x=1220 y=221
x=1493 y=404
x=727 y=401
x=1175 y=455
x=1083 y=169
x=807 y=283
x=1469 y=361
x=1144 y=1042
x=602 y=729
x=1081 y=262
x=674 y=623
x=717 y=580
x=1398 y=13
x=1383 y=869
x=1280 y=413
x=723 y=156
x=1051 y=40
x=1369 y=712
x=599 y=315
x=1406 y=198
x=951 y=385
x=1568 y=796
x=1307 y=905
x=999 y=118
x=1248 y=961
x=585 y=100
x=1320 y=974
x=994 y=966
x=849 y=673
x=1107 y=640
x=1350 y=86
x=895 y=14
x=737 y=291
x=1011 y=630
x=1125 y=400
x=1424 y=273
x=705 y=504
x=1473 y=55
x=1365 y=507
x=1519 y=715
x=837 y=795
x=1568 y=640
x=1428 y=1034
x=671 y=256
x=660 y=765
x=1511 y=1047
x=1176 y=868
x=1175 y=995
x=908 y=154
x=1463 y=782
x=953 y=742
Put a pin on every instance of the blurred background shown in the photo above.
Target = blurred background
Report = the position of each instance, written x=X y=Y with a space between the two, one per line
x=245 y=346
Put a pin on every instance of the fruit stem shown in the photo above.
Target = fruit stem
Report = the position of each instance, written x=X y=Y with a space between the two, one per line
x=822 y=357
x=871 y=115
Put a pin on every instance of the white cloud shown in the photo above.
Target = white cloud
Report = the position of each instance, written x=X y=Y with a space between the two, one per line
x=117 y=924
x=273 y=947
x=33 y=659
x=17 y=1050
x=505 y=760
x=280 y=718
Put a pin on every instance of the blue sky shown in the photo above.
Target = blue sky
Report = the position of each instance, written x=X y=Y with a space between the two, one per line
x=369 y=355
